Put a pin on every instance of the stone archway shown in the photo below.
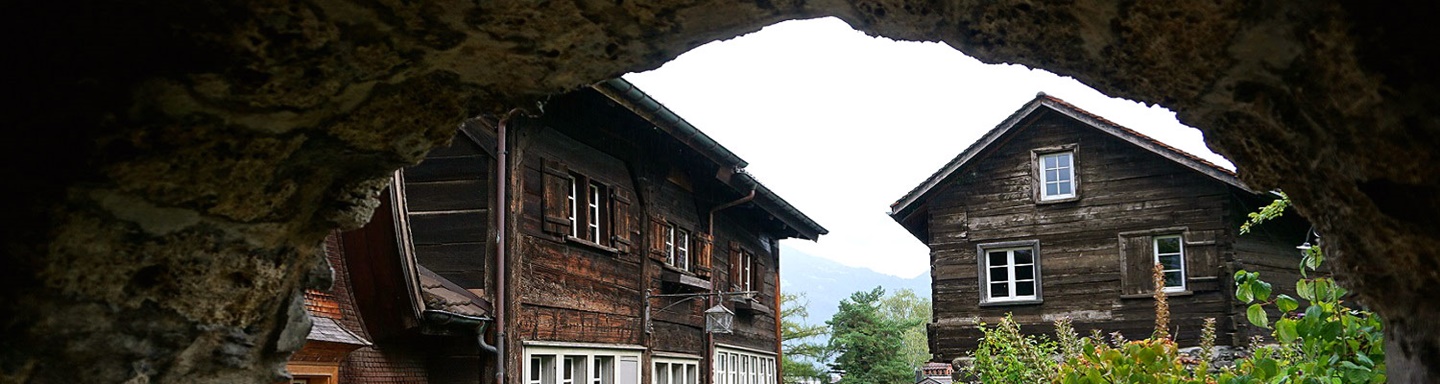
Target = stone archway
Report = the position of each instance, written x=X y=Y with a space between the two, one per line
x=174 y=166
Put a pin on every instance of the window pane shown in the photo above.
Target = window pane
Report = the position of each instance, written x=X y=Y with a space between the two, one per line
x=1167 y=244
x=998 y=258
x=999 y=274
x=1025 y=288
x=1024 y=256
x=1050 y=162
x=1063 y=176
x=1025 y=273
x=1170 y=262
x=1173 y=279
x=1052 y=189
x=999 y=290
x=1064 y=188
x=662 y=373
x=1063 y=159
x=1051 y=175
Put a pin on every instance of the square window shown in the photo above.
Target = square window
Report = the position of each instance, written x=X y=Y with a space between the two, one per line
x=1012 y=272
x=677 y=247
x=587 y=207
x=1057 y=175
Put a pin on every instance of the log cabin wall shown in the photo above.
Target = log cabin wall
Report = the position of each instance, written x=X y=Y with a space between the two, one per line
x=734 y=234
x=1125 y=193
x=572 y=289
x=576 y=291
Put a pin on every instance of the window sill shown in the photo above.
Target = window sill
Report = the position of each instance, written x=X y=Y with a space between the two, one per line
x=1011 y=302
x=591 y=244
x=750 y=306
x=1152 y=295
x=1040 y=200
x=684 y=280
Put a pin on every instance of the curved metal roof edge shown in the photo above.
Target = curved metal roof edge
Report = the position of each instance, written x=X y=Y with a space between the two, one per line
x=908 y=201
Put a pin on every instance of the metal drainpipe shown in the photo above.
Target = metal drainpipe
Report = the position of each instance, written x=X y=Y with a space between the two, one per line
x=710 y=226
x=710 y=301
x=502 y=184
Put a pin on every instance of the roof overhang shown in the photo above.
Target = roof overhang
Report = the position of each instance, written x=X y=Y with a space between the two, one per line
x=632 y=98
x=915 y=198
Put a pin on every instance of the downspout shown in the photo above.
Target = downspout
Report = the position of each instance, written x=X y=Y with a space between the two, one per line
x=710 y=301
x=779 y=339
x=443 y=318
x=710 y=226
x=502 y=183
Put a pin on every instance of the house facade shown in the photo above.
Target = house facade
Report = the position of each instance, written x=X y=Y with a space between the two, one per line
x=1059 y=213
x=622 y=226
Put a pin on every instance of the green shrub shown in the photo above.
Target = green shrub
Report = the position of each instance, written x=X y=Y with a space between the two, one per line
x=1154 y=360
x=1007 y=356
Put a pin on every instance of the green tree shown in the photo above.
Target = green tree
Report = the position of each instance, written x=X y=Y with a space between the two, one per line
x=869 y=343
x=804 y=355
x=907 y=307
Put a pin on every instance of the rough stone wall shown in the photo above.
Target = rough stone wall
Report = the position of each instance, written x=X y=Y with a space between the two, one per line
x=175 y=166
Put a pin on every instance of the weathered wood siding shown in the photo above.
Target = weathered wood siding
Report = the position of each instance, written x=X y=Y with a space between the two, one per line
x=448 y=196
x=1122 y=189
x=572 y=291
x=575 y=292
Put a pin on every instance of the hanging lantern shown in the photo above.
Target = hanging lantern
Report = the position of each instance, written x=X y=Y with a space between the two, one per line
x=719 y=319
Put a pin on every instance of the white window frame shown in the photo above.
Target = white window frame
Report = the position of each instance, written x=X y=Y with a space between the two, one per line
x=592 y=223
x=689 y=370
x=982 y=256
x=735 y=365
x=1045 y=180
x=677 y=247
x=552 y=369
x=574 y=208
x=747 y=265
x=1155 y=250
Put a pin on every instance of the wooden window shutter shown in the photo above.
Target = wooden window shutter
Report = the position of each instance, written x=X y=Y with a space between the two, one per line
x=703 y=243
x=735 y=266
x=620 y=219
x=657 y=238
x=1137 y=266
x=557 y=190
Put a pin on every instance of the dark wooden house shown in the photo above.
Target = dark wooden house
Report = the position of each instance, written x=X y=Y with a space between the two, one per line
x=623 y=224
x=1059 y=213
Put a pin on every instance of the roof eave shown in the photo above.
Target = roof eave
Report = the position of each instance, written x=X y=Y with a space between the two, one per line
x=902 y=207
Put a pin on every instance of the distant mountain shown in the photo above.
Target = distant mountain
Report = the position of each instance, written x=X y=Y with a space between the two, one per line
x=826 y=282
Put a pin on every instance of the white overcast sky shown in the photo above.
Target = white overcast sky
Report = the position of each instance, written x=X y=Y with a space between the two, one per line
x=842 y=124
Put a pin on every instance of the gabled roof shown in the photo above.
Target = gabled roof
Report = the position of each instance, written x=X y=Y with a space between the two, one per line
x=1041 y=103
x=627 y=95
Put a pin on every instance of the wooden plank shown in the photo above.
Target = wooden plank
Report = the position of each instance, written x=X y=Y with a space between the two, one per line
x=450 y=195
x=448 y=227
x=453 y=168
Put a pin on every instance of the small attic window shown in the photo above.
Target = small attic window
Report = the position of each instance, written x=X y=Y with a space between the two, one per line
x=1055 y=175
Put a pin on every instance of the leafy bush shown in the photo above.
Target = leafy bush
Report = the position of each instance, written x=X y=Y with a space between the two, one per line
x=1007 y=356
x=1153 y=360
x=1327 y=342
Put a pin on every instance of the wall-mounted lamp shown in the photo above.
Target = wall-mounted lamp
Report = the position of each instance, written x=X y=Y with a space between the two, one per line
x=1305 y=247
x=718 y=319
